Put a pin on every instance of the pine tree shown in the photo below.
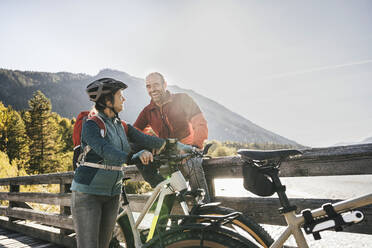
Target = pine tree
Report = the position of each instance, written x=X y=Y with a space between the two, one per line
x=65 y=130
x=18 y=140
x=6 y=169
x=13 y=138
x=3 y=127
x=43 y=133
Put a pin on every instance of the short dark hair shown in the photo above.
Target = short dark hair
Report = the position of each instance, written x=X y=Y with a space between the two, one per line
x=101 y=102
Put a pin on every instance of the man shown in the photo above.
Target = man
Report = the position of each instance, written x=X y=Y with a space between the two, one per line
x=173 y=116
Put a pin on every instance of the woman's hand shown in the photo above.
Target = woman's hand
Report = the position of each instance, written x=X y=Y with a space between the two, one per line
x=146 y=157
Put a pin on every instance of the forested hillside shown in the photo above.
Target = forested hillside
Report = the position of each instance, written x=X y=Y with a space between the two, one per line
x=68 y=98
x=37 y=140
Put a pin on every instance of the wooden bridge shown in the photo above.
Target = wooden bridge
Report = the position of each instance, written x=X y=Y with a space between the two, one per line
x=13 y=239
x=58 y=228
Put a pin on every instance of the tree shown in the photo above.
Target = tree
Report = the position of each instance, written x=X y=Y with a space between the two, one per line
x=3 y=127
x=8 y=169
x=42 y=130
x=13 y=138
x=65 y=130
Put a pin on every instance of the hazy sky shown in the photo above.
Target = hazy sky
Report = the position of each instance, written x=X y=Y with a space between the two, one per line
x=302 y=69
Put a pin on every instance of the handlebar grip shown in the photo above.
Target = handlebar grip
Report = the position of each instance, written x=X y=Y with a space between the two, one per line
x=136 y=160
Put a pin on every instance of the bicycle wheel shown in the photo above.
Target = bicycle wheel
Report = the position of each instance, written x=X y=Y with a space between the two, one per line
x=198 y=235
x=244 y=225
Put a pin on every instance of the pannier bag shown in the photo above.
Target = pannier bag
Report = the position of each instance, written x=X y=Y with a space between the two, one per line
x=257 y=182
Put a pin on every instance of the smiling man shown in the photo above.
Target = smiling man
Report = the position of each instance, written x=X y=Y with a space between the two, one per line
x=173 y=116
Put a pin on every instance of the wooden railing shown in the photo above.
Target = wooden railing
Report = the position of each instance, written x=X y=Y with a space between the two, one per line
x=55 y=227
x=346 y=160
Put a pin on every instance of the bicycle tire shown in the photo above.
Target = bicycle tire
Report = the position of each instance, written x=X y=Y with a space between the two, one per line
x=192 y=236
x=244 y=225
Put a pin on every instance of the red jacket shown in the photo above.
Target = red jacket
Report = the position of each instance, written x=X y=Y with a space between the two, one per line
x=179 y=117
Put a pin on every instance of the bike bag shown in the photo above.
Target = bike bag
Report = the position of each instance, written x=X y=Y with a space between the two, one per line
x=257 y=182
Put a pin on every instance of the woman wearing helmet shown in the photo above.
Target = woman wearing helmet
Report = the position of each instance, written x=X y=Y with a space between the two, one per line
x=97 y=181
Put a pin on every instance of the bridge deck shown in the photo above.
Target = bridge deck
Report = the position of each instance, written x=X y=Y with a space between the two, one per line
x=10 y=239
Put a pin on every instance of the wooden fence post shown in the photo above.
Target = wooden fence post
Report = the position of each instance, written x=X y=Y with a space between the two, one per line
x=13 y=188
x=65 y=210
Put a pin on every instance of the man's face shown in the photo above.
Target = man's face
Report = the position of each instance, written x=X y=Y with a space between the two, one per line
x=155 y=87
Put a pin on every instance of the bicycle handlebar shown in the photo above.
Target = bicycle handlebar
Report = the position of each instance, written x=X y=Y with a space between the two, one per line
x=176 y=157
x=172 y=157
x=168 y=161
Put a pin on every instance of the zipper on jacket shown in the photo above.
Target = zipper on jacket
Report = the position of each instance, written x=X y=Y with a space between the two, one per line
x=122 y=148
x=121 y=140
x=164 y=120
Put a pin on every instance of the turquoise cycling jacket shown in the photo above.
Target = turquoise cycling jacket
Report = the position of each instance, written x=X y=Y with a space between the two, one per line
x=113 y=149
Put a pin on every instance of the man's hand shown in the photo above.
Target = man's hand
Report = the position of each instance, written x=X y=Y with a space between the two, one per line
x=182 y=148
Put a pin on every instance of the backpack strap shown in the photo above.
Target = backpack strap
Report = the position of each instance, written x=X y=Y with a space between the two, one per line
x=101 y=124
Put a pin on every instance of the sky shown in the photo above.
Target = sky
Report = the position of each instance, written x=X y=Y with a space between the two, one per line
x=302 y=69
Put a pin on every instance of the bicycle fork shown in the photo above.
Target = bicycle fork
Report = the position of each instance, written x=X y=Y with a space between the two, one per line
x=176 y=183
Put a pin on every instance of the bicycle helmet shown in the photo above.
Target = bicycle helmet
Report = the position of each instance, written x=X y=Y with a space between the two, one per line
x=103 y=86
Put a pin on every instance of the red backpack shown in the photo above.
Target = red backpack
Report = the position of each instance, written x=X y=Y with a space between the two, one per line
x=76 y=135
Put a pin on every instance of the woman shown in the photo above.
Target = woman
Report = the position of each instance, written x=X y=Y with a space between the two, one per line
x=97 y=181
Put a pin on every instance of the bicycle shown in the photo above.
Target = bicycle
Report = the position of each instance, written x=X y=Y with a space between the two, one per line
x=330 y=216
x=260 y=174
x=201 y=216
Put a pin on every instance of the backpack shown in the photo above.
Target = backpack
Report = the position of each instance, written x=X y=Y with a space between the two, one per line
x=76 y=135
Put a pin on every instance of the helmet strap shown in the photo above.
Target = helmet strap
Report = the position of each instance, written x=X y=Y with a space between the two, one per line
x=104 y=105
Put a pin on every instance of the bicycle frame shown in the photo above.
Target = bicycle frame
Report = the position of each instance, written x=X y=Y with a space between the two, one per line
x=176 y=183
x=295 y=222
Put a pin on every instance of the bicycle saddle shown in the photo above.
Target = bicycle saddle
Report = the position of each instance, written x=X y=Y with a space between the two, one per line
x=268 y=154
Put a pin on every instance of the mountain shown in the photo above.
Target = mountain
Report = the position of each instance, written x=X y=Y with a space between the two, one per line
x=365 y=141
x=67 y=94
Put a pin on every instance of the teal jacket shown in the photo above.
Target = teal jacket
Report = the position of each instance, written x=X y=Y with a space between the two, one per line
x=113 y=149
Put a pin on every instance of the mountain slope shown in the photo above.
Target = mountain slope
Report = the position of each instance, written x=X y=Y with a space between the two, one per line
x=365 y=141
x=227 y=125
x=68 y=97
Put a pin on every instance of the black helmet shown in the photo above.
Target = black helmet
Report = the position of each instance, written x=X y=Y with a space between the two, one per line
x=103 y=86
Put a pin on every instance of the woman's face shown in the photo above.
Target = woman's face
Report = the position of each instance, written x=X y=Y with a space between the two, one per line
x=118 y=101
